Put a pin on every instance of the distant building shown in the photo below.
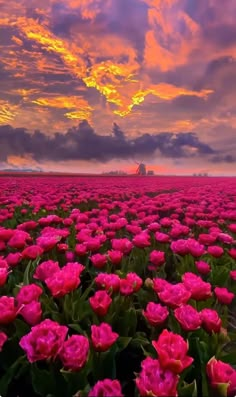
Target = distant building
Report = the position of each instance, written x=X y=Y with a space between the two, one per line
x=141 y=170
x=116 y=172
x=202 y=174
x=150 y=172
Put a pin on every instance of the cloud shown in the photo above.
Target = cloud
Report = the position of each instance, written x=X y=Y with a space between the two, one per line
x=225 y=159
x=82 y=143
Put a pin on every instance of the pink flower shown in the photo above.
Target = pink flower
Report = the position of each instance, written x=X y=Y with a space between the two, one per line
x=3 y=264
x=157 y=258
x=32 y=252
x=31 y=312
x=200 y=290
x=93 y=244
x=154 y=227
x=162 y=237
x=44 y=341
x=232 y=274
x=131 y=284
x=106 y=388
x=7 y=310
x=100 y=302
x=179 y=230
x=155 y=313
x=195 y=248
x=153 y=380
x=74 y=267
x=174 y=295
x=172 y=352
x=70 y=256
x=19 y=239
x=115 y=257
x=159 y=284
x=203 y=267
x=166 y=222
x=180 y=247
x=62 y=247
x=220 y=373
x=46 y=269
x=3 y=276
x=207 y=239
x=48 y=242
x=80 y=249
x=188 y=317
x=74 y=352
x=13 y=258
x=62 y=282
x=28 y=293
x=122 y=244
x=26 y=226
x=225 y=238
x=232 y=253
x=2 y=246
x=211 y=321
x=111 y=282
x=3 y=339
x=98 y=260
x=6 y=234
x=223 y=295
x=103 y=337
x=232 y=227
x=215 y=251
x=133 y=229
x=142 y=240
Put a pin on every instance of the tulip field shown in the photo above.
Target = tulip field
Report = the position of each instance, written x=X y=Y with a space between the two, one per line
x=120 y=286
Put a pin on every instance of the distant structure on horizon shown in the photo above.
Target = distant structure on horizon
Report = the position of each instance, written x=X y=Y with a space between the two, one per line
x=205 y=174
x=116 y=172
x=141 y=169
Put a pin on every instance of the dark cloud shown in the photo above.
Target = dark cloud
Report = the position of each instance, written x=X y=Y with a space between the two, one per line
x=82 y=143
x=222 y=35
x=223 y=159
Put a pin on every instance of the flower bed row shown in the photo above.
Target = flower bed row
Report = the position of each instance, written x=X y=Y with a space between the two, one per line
x=117 y=288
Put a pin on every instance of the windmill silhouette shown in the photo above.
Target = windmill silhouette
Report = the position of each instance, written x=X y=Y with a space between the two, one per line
x=141 y=169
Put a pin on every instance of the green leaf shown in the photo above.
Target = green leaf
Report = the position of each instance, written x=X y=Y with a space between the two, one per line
x=21 y=328
x=228 y=358
x=76 y=381
x=42 y=381
x=77 y=328
x=132 y=320
x=29 y=271
x=222 y=389
x=47 y=382
x=108 y=363
x=8 y=377
x=139 y=341
x=123 y=342
x=219 y=276
x=187 y=390
x=87 y=292
x=26 y=277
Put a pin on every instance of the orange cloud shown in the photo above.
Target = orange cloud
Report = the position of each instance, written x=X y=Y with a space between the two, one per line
x=118 y=82
x=82 y=109
x=89 y=9
x=7 y=112
x=19 y=161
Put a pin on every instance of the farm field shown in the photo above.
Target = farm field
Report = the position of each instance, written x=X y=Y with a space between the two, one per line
x=117 y=286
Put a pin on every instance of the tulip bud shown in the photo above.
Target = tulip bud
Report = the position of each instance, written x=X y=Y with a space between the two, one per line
x=148 y=283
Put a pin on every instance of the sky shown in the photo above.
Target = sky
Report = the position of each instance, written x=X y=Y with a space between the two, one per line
x=98 y=85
